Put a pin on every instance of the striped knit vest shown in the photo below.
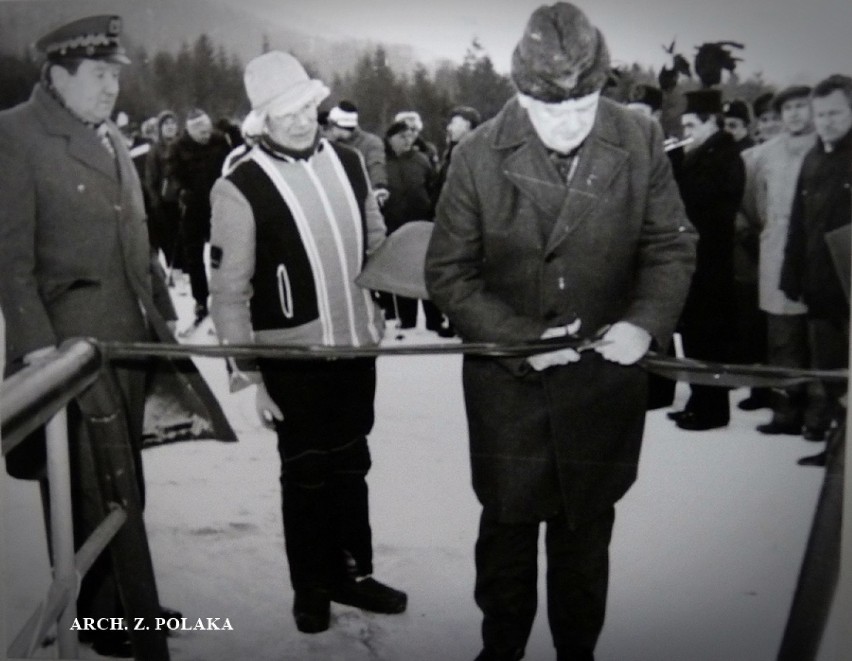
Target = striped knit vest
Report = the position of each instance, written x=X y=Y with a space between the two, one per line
x=310 y=244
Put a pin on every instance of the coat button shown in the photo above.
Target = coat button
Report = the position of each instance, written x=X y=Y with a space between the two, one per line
x=117 y=207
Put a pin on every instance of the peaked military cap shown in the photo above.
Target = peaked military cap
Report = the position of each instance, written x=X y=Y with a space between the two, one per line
x=91 y=38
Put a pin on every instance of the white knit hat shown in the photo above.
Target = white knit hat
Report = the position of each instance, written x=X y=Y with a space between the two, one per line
x=277 y=83
x=343 y=118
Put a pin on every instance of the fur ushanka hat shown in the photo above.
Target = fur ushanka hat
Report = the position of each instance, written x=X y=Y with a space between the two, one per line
x=560 y=56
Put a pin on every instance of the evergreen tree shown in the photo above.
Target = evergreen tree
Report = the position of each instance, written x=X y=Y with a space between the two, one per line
x=479 y=85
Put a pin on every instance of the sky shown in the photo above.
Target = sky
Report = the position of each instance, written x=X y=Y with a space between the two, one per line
x=788 y=41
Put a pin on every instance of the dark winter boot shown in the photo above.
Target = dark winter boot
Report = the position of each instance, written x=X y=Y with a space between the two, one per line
x=369 y=595
x=311 y=610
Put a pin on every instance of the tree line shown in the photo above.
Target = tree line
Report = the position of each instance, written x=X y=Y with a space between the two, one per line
x=204 y=75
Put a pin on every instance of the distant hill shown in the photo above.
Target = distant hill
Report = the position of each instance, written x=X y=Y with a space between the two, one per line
x=164 y=25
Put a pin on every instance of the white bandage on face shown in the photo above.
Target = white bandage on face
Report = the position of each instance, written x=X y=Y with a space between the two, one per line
x=562 y=126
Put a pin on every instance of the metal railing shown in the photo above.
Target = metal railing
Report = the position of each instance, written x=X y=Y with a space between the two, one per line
x=35 y=397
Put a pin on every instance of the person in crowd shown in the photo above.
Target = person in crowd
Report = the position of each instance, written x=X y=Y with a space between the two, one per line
x=646 y=99
x=162 y=187
x=415 y=123
x=711 y=180
x=750 y=319
x=196 y=161
x=823 y=203
x=74 y=262
x=542 y=231
x=249 y=139
x=767 y=121
x=737 y=121
x=231 y=131
x=343 y=128
x=461 y=121
x=292 y=225
x=772 y=169
x=411 y=181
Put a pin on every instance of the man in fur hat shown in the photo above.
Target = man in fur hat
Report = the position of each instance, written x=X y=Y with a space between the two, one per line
x=543 y=229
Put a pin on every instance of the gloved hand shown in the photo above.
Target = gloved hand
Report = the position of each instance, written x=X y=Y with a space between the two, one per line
x=541 y=361
x=624 y=343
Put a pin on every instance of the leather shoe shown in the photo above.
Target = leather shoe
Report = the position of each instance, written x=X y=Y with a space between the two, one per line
x=813 y=460
x=676 y=415
x=755 y=401
x=813 y=433
x=311 y=610
x=491 y=654
x=112 y=643
x=691 y=421
x=370 y=595
x=775 y=427
x=170 y=613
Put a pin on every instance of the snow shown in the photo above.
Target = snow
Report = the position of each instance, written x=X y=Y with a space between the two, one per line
x=704 y=560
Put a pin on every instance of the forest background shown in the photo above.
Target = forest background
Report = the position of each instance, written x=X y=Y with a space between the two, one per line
x=205 y=69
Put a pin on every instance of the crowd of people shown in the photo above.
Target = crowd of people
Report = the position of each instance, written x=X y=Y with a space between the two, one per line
x=567 y=215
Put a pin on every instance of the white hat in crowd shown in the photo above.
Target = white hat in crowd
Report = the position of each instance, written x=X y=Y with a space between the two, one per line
x=276 y=83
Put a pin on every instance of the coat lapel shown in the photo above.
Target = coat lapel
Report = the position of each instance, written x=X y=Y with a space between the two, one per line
x=83 y=144
x=529 y=169
x=600 y=162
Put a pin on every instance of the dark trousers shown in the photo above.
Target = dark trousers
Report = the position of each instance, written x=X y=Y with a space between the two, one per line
x=577 y=579
x=788 y=346
x=707 y=402
x=405 y=309
x=829 y=345
x=164 y=231
x=194 y=233
x=322 y=441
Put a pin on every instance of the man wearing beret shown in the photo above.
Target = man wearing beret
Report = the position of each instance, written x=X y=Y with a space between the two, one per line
x=559 y=216
x=75 y=258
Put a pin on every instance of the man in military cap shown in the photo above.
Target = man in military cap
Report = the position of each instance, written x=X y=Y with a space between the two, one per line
x=74 y=256
x=542 y=231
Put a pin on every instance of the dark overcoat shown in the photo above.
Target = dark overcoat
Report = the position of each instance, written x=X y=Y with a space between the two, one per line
x=822 y=203
x=515 y=251
x=74 y=254
x=711 y=180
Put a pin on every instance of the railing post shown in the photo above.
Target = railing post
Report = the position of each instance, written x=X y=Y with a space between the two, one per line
x=61 y=527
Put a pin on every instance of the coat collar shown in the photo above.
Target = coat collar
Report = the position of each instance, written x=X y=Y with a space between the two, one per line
x=83 y=143
x=530 y=169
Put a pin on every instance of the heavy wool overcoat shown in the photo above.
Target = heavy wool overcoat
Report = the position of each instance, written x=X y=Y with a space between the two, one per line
x=75 y=259
x=516 y=250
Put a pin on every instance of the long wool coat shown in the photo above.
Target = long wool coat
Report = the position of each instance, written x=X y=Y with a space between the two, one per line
x=74 y=253
x=711 y=180
x=514 y=251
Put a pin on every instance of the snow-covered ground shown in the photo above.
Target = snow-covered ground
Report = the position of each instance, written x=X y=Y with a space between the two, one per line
x=705 y=556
